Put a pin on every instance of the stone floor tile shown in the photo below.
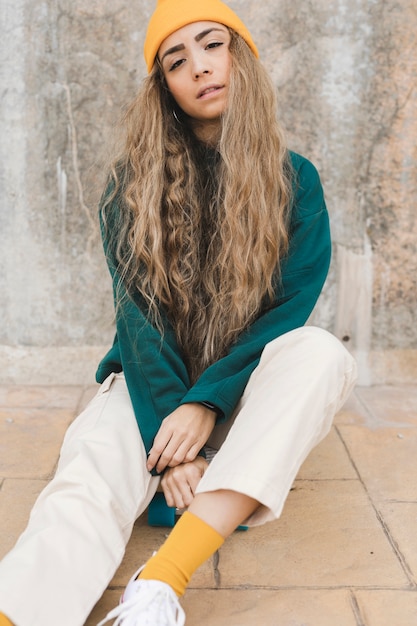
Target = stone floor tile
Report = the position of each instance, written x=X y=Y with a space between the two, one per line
x=384 y=458
x=143 y=542
x=109 y=600
x=390 y=406
x=249 y=607
x=388 y=608
x=30 y=440
x=87 y=395
x=268 y=607
x=401 y=521
x=328 y=536
x=329 y=460
x=353 y=411
x=300 y=570
x=16 y=500
x=17 y=396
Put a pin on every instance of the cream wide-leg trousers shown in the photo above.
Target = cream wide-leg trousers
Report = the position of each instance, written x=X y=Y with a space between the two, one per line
x=82 y=521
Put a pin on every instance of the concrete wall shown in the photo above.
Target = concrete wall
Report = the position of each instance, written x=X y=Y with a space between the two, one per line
x=346 y=74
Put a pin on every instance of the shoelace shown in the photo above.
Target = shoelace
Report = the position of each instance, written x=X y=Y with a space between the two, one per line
x=152 y=607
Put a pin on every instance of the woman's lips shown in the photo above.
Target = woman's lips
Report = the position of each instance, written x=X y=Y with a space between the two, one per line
x=208 y=90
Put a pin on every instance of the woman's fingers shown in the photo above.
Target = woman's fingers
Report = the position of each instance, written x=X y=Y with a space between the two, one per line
x=179 y=483
x=181 y=436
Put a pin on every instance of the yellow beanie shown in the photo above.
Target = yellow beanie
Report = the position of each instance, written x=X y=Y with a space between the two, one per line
x=170 y=15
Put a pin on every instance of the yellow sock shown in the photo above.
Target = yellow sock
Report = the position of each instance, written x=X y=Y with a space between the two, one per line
x=4 y=621
x=190 y=543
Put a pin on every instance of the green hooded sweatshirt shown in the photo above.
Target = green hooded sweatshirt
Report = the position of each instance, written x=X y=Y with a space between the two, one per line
x=156 y=376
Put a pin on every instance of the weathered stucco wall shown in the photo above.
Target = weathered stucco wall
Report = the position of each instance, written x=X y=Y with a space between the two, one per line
x=346 y=73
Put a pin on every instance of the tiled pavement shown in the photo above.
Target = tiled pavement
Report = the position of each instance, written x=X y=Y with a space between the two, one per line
x=344 y=552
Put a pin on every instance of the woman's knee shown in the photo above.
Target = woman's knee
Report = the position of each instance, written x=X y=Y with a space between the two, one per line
x=327 y=346
x=328 y=359
x=310 y=344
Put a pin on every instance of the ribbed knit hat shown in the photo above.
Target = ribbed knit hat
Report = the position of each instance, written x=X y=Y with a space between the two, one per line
x=170 y=15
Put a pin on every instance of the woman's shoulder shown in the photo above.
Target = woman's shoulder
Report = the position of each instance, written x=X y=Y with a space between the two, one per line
x=308 y=192
x=302 y=167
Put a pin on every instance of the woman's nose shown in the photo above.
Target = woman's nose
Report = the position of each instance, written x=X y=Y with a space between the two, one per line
x=200 y=66
x=198 y=73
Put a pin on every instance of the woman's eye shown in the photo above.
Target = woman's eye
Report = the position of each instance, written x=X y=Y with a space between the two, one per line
x=215 y=44
x=176 y=64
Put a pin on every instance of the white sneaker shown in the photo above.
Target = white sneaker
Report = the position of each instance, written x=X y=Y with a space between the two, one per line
x=147 y=603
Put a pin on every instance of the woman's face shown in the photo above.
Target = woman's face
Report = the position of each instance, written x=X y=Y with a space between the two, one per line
x=196 y=64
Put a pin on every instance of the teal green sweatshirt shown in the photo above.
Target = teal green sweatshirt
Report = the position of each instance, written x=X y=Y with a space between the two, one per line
x=156 y=376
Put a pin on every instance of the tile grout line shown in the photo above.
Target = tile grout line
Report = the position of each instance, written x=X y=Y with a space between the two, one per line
x=407 y=569
x=216 y=570
x=385 y=528
x=251 y=587
x=356 y=609
x=278 y=588
x=76 y=407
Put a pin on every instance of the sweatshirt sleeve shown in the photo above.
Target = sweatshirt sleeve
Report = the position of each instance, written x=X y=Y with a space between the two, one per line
x=155 y=373
x=302 y=277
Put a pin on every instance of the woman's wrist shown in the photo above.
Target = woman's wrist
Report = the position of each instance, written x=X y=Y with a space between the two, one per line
x=212 y=407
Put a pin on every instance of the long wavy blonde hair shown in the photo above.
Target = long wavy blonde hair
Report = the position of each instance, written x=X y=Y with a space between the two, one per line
x=196 y=233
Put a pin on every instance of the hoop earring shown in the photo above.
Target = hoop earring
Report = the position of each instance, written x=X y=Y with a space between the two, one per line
x=175 y=114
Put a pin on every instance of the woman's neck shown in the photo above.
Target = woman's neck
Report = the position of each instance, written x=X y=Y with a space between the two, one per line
x=208 y=132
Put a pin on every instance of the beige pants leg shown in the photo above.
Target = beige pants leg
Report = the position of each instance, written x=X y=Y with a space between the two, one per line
x=81 y=522
x=302 y=380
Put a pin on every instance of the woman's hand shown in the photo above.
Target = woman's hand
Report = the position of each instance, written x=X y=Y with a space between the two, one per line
x=181 y=436
x=179 y=483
